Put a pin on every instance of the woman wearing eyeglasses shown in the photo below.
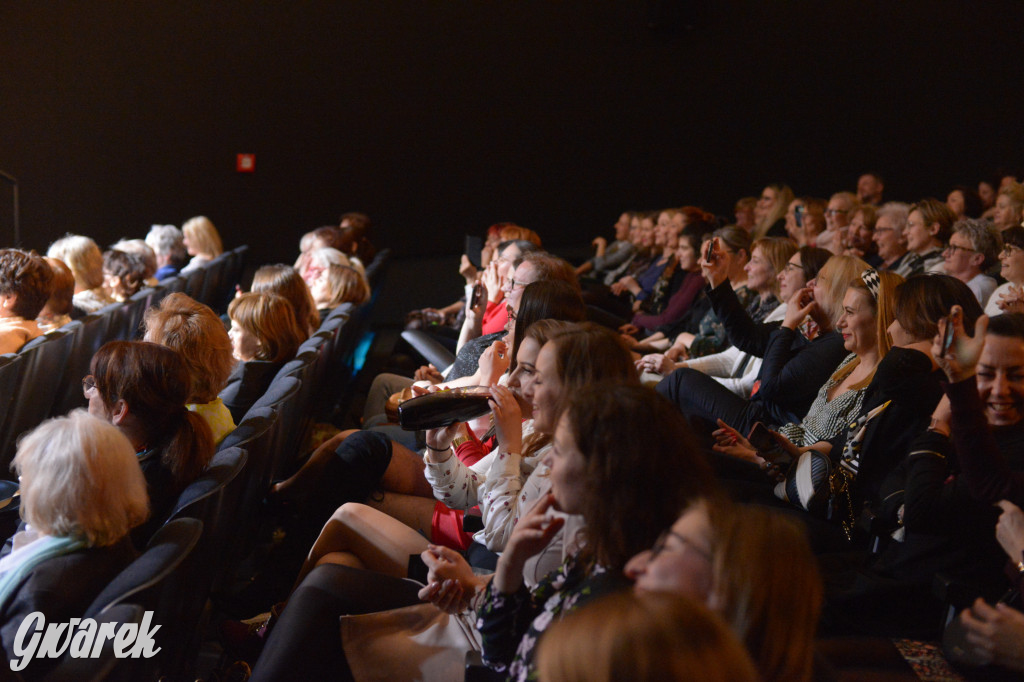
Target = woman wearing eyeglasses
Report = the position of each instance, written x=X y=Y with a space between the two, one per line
x=754 y=568
x=1009 y=297
x=141 y=388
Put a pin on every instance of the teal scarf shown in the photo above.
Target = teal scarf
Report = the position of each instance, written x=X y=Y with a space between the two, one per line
x=39 y=551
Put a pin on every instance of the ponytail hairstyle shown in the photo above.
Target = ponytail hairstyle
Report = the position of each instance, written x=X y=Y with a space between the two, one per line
x=154 y=383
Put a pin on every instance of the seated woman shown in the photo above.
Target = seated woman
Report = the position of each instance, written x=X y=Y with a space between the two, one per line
x=866 y=317
x=264 y=335
x=141 y=388
x=322 y=257
x=283 y=280
x=770 y=211
x=738 y=366
x=939 y=502
x=353 y=464
x=964 y=202
x=637 y=286
x=57 y=311
x=197 y=334
x=202 y=241
x=1009 y=296
x=753 y=567
x=643 y=638
x=733 y=248
x=680 y=285
x=336 y=286
x=860 y=235
x=86 y=262
x=26 y=282
x=589 y=476
x=139 y=247
x=123 y=274
x=768 y=259
x=799 y=356
x=81 y=493
x=508 y=480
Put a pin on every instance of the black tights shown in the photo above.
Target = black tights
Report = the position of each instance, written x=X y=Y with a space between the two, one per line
x=306 y=642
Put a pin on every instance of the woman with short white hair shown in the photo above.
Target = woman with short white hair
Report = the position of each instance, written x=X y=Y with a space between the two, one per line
x=82 y=491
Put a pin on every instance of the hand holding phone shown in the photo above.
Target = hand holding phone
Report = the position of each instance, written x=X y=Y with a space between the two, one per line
x=762 y=438
x=710 y=252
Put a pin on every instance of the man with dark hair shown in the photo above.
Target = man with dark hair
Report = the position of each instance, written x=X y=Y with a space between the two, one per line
x=869 y=189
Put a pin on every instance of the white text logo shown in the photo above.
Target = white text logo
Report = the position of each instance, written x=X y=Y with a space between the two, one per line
x=81 y=638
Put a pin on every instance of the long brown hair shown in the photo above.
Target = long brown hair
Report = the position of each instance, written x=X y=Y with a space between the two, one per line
x=767 y=587
x=154 y=382
x=271 y=319
x=285 y=281
x=634 y=442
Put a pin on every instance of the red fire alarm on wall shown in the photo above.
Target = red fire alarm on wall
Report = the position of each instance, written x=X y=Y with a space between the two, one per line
x=246 y=163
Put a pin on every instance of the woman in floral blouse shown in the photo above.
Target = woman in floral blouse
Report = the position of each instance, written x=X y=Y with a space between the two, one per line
x=613 y=446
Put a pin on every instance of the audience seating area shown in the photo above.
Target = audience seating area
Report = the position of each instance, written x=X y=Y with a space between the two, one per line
x=215 y=520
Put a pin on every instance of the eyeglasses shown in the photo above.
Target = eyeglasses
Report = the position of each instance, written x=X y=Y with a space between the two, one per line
x=512 y=283
x=88 y=384
x=1008 y=249
x=953 y=248
x=688 y=545
x=793 y=267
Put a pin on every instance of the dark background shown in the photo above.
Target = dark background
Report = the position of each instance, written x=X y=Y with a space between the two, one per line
x=439 y=117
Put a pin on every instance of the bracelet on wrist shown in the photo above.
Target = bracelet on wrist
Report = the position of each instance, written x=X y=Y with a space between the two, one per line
x=431 y=447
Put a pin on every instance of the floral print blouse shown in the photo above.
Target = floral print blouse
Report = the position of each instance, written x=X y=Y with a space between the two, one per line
x=510 y=625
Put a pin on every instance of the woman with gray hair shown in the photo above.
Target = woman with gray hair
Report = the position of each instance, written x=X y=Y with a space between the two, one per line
x=82 y=491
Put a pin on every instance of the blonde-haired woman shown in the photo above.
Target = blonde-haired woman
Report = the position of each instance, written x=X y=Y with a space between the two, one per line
x=196 y=332
x=86 y=262
x=82 y=491
x=770 y=211
x=264 y=335
x=202 y=241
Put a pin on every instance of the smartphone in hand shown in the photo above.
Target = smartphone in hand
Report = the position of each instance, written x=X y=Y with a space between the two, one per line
x=474 y=246
x=762 y=438
x=948 y=335
x=710 y=253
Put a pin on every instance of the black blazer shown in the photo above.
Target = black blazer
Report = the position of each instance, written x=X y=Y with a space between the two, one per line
x=61 y=588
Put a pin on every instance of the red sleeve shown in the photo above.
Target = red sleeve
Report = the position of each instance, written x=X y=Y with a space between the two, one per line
x=495 y=317
x=472 y=451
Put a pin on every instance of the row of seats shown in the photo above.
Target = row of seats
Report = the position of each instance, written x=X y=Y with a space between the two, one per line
x=43 y=379
x=213 y=524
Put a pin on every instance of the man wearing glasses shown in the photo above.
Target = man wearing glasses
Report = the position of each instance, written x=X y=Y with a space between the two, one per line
x=972 y=249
